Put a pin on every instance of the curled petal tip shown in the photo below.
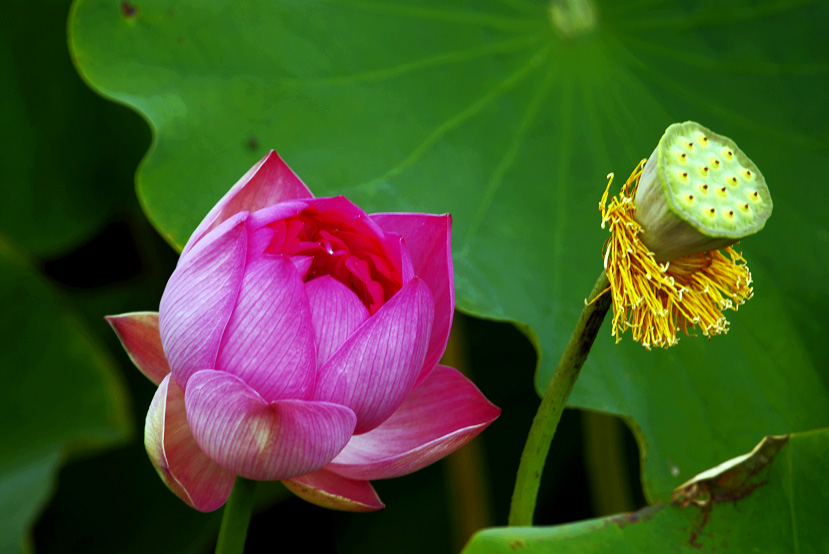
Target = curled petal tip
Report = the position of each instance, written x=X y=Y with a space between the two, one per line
x=138 y=333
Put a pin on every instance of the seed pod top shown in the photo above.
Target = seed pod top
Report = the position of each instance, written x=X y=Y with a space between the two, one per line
x=699 y=192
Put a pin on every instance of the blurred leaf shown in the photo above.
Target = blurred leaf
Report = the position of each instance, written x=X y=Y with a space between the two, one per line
x=59 y=167
x=25 y=486
x=60 y=395
x=482 y=109
x=125 y=509
x=775 y=501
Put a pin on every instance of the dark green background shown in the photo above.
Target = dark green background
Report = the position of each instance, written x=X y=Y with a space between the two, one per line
x=479 y=109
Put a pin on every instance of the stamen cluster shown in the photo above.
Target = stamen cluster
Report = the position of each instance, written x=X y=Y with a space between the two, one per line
x=656 y=300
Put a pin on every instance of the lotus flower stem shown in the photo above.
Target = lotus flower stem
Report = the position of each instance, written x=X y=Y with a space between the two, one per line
x=552 y=404
x=236 y=518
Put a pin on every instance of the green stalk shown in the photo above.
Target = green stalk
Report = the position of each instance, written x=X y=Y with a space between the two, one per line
x=236 y=518
x=552 y=404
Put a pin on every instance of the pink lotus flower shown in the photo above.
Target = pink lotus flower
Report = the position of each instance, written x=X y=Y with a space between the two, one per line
x=298 y=340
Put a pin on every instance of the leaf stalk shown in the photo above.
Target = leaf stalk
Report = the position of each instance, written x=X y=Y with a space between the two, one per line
x=553 y=402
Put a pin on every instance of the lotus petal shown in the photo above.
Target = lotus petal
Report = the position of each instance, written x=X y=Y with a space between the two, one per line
x=268 y=182
x=335 y=311
x=429 y=242
x=374 y=370
x=182 y=465
x=199 y=299
x=442 y=414
x=269 y=340
x=138 y=333
x=332 y=491
x=265 y=441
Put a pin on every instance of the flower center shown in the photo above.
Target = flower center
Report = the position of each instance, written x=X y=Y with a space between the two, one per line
x=342 y=246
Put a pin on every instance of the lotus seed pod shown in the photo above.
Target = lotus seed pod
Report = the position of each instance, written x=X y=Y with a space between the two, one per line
x=698 y=192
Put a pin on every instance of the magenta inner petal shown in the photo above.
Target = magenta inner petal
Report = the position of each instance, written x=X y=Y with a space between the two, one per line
x=342 y=243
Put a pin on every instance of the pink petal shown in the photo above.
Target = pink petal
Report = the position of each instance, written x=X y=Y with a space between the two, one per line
x=353 y=216
x=374 y=370
x=335 y=311
x=268 y=182
x=138 y=333
x=199 y=299
x=260 y=440
x=276 y=212
x=429 y=241
x=179 y=461
x=397 y=245
x=442 y=414
x=269 y=340
x=331 y=491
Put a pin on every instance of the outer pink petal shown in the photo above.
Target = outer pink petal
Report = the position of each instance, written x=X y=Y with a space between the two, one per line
x=374 y=370
x=182 y=465
x=442 y=414
x=429 y=241
x=269 y=340
x=332 y=491
x=199 y=299
x=335 y=311
x=138 y=333
x=268 y=182
x=259 y=440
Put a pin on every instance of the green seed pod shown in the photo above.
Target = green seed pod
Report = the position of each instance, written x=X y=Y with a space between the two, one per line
x=698 y=192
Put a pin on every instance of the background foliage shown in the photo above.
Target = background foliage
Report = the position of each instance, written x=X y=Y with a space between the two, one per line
x=481 y=109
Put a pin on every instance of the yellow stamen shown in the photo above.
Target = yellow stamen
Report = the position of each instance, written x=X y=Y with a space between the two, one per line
x=656 y=300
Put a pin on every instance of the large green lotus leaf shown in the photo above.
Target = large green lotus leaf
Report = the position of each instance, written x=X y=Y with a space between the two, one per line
x=774 y=501
x=60 y=395
x=60 y=162
x=484 y=110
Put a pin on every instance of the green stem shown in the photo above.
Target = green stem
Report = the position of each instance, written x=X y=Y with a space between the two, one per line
x=236 y=518
x=552 y=404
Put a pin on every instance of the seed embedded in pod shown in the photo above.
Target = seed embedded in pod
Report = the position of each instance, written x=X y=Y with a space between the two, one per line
x=666 y=196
